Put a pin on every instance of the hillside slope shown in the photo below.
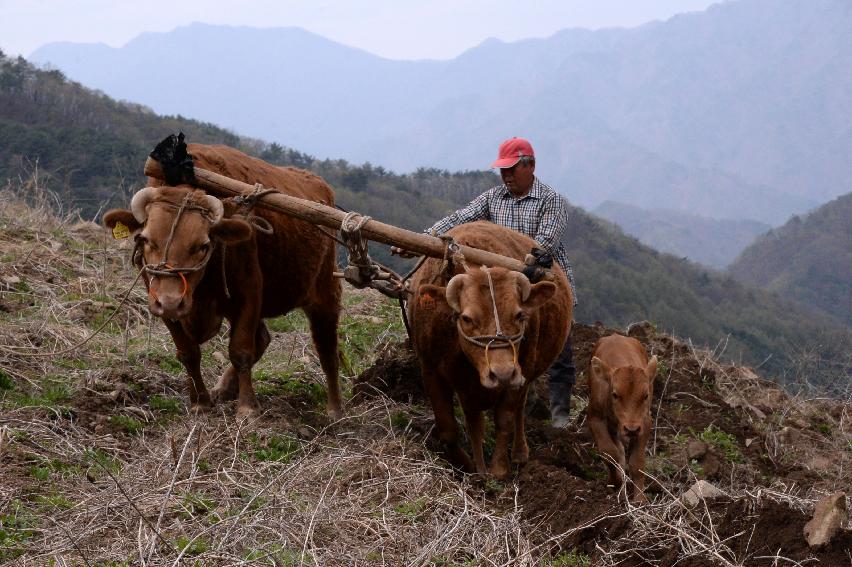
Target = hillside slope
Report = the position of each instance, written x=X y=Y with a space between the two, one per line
x=808 y=259
x=104 y=464
x=619 y=280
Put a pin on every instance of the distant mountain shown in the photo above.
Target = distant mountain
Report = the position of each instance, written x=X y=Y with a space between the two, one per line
x=711 y=242
x=742 y=111
x=809 y=259
x=91 y=150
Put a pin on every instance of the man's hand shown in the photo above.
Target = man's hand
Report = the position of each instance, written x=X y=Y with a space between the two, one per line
x=402 y=253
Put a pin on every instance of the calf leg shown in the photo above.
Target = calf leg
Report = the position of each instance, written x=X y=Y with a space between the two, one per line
x=636 y=463
x=609 y=448
x=227 y=388
x=441 y=397
x=324 y=333
x=189 y=354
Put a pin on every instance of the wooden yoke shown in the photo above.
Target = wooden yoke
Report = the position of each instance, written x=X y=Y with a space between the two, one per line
x=319 y=214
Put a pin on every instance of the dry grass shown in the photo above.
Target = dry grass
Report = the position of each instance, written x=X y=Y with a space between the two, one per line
x=103 y=465
x=98 y=475
x=220 y=493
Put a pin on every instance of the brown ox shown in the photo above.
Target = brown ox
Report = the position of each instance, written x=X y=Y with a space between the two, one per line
x=455 y=337
x=230 y=270
x=621 y=385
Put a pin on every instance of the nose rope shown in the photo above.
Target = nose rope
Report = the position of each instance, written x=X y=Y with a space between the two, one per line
x=502 y=340
x=493 y=301
x=164 y=268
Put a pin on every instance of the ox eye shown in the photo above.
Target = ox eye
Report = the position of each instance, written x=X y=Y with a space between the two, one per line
x=202 y=248
x=520 y=317
x=615 y=396
x=466 y=319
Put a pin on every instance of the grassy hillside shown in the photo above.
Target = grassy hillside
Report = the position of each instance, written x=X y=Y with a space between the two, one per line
x=621 y=280
x=808 y=259
x=90 y=150
x=103 y=464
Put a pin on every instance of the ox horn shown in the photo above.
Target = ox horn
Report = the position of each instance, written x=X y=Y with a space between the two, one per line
x=453 y=291
x=216 y=207
x=139 y=203
x=524 y=285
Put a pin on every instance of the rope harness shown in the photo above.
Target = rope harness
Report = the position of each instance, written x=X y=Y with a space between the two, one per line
x=361 y=270
x=502 y=340
x=164 y=268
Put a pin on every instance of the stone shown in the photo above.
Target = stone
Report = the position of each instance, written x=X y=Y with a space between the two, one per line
x=696 y=449
x=820 y=463
x=701 y=490
x=830 y=516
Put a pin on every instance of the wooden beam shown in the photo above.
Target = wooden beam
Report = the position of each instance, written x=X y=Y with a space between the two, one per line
x=319 y=214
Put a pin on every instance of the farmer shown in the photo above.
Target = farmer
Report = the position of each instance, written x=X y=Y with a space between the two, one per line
x=525 y=204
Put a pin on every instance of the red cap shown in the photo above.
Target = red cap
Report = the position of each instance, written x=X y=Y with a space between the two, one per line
x=511 y=151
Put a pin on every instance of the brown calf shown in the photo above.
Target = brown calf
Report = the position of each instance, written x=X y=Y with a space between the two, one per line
x=203 y=267
x=621 y=385
x=488 y=363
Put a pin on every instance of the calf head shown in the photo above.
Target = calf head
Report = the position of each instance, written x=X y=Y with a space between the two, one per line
x=176 y=229
x=629 y=390
x=490 y=343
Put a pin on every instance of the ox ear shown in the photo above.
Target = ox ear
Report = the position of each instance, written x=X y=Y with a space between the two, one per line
x=428 y=295
x=230 y=231
x=600 y=370
x=651 y=369
x=600 y=382
x=123 y=216
x=540 y=293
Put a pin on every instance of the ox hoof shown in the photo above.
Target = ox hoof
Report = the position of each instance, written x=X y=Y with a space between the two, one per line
x=334 y=414
x=201 y=407
x=640 y=498
x=222 y=395
x=247 y=412
x=521 y=457
x=500 y=472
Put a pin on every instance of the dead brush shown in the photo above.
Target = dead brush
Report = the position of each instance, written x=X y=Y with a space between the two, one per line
x=355 y=493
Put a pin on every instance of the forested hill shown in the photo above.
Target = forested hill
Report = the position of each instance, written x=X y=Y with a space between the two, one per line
x=90 y=149
x=808 y=259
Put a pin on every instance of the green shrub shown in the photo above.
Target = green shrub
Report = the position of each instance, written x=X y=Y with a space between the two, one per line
x=723 y=441
x=129 y=424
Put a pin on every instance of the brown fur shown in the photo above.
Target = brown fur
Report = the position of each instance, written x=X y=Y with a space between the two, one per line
x=450 y=364
x=621 y=386
x=266 y=275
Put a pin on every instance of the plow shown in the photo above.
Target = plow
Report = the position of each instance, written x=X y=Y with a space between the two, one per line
x=355 y=231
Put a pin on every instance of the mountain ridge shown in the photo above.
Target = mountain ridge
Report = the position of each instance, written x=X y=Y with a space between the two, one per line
x=748 y=96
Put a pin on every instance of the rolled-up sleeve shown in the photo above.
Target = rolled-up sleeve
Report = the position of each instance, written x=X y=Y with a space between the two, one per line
x=554 y=221
x=474 y=211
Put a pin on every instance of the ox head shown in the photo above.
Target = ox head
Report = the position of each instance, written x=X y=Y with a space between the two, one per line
x=630 y=390
x=514 y=299
x=176 y=229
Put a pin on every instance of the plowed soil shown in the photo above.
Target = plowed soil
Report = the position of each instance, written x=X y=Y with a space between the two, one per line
x=562 y=489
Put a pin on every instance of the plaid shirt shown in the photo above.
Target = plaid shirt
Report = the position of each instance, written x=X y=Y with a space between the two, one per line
x=540 y=214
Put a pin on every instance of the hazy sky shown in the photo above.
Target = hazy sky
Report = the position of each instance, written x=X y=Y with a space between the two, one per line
x=397 y=29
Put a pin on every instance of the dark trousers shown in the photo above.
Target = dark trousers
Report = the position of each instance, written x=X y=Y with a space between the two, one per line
x=562 y=371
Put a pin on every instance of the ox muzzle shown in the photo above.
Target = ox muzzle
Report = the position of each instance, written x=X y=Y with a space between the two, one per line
x=171 y=301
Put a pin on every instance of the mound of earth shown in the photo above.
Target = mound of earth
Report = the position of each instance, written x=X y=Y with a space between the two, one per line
x=765 y=449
